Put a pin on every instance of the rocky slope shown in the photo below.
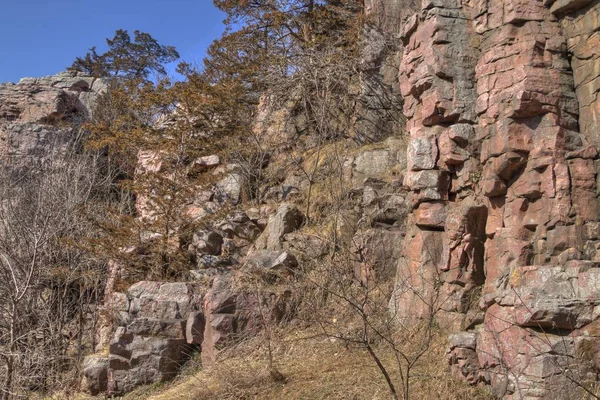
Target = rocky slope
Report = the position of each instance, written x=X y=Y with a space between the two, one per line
x=485 y=203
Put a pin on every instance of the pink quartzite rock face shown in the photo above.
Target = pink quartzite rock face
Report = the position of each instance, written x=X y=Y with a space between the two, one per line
x=30 y=108
x=503 y=105
x=445 y=243
x=232 y=314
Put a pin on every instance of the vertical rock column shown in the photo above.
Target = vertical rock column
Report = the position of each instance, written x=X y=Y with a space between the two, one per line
x=502 y=172
x=531 y=151
x=442 y=265
x=539 y=184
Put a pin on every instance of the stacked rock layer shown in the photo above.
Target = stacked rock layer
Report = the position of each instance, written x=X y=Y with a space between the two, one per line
x=502 y=103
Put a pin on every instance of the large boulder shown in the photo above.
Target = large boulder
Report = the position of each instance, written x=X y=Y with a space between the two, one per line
x=234 y=312
x=42 y=100
x=287 y=219
x=145 y=356
x=95 y=374
x=159 y=324
x=229 y=189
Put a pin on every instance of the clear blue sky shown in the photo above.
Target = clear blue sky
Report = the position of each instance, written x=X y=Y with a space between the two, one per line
x=43 y=37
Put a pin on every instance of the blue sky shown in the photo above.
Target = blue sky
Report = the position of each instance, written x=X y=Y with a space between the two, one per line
x=43 y=37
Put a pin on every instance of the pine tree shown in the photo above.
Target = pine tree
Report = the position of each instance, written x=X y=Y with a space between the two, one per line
x=126 y=58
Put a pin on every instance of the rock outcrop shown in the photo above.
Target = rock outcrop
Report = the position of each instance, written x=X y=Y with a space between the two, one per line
x=501 y=98
x=33 y=112
x=488 y=212
x=158 y=325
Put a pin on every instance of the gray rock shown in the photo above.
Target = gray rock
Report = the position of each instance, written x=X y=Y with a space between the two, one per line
x=43 y=99
x=304 y=247
x=207 y=261
x=220 y=299
x=229 y=189
x=427 y=179
x=564 y=297
x=203 y=164
x=194 y=328
x=422 y=153
x=287 y=219
x=269 y=260
x=462 y=134
x=240 y=226
x=207 y=243
x=138 y=360
x=157 y=327
x=163 y=321
x=380 y=250
x=373 y=163
x=462 y=356
x=31 y=110
x=95 y=374
x=467 y=340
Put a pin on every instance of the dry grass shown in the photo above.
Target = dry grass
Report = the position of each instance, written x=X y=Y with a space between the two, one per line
x=314 y=368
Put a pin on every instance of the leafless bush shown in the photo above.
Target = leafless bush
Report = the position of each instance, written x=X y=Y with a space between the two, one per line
x=49 y=284
x=347 y=300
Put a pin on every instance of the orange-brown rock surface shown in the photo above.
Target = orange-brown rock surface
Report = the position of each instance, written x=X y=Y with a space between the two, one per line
x=503 y=113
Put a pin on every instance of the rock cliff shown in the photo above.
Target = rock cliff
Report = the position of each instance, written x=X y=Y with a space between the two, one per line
x=495 y=228
x=482 y=194
x=502 y=102
x=36 y=111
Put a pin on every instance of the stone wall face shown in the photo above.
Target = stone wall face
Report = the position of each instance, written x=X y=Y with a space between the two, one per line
x=502 y=103
x=30 y=112
x=580 y=28
x=445 y=242
x=157 y=327
x=501 y=245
